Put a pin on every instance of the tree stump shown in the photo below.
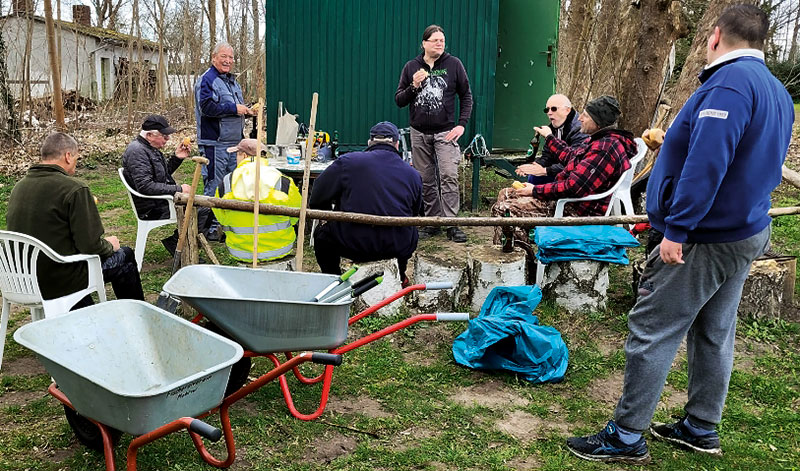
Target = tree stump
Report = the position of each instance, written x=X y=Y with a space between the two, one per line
x=429 y=269
x=390 y=285
x=762 y=294
x=490 y=267
x=577 y=285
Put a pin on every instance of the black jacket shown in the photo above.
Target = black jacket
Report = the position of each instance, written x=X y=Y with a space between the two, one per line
x=571 y=134
x=378 y=182
x=432 y=107
x=148 y=172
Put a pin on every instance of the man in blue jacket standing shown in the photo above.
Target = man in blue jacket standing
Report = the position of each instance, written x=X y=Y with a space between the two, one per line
x=376 y=181
x=219 y=111
x=709 y=193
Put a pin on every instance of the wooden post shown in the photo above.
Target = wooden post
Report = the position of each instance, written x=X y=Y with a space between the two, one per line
x=257 y=194
x=301 y=228
x=55 y=65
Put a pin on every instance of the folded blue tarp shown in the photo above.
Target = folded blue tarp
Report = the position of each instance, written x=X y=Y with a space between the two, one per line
x=507 y=336
x=601 y=243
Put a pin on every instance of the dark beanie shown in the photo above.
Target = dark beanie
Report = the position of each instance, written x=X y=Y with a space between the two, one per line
x=604 y=110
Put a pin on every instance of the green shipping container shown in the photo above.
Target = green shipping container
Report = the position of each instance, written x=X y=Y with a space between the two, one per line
x=352 y=51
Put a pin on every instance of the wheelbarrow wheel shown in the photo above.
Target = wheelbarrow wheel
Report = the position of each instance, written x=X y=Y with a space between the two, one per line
x=87 y=432
x=239 y=371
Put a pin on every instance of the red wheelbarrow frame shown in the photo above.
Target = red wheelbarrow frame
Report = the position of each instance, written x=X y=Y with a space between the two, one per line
x=197 y=428
x=327 y=376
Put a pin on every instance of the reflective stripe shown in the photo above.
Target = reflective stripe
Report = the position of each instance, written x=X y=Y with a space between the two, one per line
x=244 y=254
x=279 y=226
x=226 y=185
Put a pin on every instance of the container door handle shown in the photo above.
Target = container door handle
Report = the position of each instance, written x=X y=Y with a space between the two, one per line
x=549 y=53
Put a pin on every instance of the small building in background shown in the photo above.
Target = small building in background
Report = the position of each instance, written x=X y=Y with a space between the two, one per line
x=94 y=61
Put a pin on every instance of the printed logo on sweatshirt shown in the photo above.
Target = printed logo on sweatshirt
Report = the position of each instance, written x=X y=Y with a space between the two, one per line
x=438 y=72
x=430 y=98
x=712 y=113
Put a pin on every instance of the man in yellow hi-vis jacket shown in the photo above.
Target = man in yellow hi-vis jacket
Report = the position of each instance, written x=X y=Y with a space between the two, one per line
x=276 y=235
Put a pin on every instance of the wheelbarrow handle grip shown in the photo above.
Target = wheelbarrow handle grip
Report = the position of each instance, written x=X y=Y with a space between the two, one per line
x=364 y=281
x=326 y=358
x=439 y=285
x=203 y=429
x=452 y=316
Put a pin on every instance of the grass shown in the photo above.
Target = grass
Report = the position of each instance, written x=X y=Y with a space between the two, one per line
x=401 y=403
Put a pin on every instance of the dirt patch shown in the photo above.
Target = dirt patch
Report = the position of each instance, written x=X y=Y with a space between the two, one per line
x=420 y=358
x=19 y=398
x=114 y=212
x=606 y=390
x=525 y=464
x=411 y=438
x=60 y=454
x=24 y=366
x=491 y=394
x=527 y=427
x=360 y=405
x=672 y=398
x=327 y=448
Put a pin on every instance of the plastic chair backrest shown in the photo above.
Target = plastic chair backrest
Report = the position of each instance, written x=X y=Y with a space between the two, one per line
x=132 y=193
x=18 y=256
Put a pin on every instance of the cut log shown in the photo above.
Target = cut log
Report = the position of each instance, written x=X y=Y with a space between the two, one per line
x=762 y=294
x=389 y=286
x=578 y=285
x=430 y=269
x=490 y=267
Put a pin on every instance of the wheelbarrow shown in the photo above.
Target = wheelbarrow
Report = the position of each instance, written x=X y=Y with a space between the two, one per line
x=128 y=366
x=271 y=312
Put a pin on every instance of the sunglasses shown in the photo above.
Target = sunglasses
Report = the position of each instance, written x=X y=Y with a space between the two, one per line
x=552 y=108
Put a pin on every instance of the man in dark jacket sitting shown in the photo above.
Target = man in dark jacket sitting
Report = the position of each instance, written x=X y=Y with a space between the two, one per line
x=565 y=125
x=147 y=171
x=375 y=181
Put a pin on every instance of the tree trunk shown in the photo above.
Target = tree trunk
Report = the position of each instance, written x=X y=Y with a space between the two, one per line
x=243 y=55
x=129 y=78
x=226 y=19
x=55 y=66
x=258 y=50
x=212 y=25
x=696 y=60
x=795 y=30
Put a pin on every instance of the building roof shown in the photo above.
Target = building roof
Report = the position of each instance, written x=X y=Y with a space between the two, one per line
x=107 y=35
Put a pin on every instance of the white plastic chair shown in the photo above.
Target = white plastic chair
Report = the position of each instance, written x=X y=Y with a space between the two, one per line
x=19 y=285
x=143 y=227
x=621 y=191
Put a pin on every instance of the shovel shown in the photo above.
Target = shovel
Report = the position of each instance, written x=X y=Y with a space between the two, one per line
x=165 y=301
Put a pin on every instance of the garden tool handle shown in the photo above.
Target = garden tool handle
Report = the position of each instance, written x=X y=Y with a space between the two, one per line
x=358 y=284
x=199 y=162
x=439 y=285
x=452 y=316
x=203 y=429
x=367 y=286
x=326 y=358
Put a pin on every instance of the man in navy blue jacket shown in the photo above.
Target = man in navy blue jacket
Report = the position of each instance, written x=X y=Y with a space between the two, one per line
x=376 y=181
x=709 y=193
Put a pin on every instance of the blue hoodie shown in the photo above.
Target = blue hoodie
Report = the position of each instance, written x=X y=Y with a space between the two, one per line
x=216 y=96
x=722 y=156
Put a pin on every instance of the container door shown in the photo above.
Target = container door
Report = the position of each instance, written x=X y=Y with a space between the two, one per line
x=526 y=69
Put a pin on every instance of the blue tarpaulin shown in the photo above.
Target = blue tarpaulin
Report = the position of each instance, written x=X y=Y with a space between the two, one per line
x=601 y=243
x=507 y=336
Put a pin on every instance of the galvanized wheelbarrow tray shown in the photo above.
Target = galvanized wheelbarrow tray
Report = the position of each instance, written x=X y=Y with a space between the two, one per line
x=128 y=366
x=272 y=312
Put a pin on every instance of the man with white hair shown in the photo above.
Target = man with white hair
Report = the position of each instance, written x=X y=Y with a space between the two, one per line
x=219 y=111
x=149 y=172
x=565 y=125
x=376 y=181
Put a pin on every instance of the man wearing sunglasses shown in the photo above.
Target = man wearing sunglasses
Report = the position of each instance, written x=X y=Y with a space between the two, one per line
x=565 y=125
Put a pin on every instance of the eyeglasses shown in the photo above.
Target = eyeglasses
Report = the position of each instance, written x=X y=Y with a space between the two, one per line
x=435 y=41
x=552 y=108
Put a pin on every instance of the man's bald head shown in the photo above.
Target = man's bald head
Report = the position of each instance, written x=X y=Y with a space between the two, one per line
x=557 y=109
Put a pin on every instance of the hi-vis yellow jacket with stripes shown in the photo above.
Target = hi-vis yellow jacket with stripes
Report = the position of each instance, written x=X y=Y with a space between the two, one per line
x=275 y=233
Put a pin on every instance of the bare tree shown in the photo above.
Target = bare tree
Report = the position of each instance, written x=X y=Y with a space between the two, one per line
x=107 y=12
x=55 y=65
x=258 y=49
x=211 y=11
x=226 y=19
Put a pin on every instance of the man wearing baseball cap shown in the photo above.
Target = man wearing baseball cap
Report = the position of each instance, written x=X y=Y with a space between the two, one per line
x=375 y=181
x=149 y=172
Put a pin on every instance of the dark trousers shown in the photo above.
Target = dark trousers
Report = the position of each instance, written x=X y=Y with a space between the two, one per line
x=120 y=270
x=329 y=253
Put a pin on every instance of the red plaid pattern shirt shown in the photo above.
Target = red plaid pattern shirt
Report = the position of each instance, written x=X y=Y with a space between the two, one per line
x=591 y=167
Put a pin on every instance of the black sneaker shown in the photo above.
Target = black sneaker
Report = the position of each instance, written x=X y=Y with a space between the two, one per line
x=427 y=232
x=607 y=447
x=456 y=235
x=678 y=434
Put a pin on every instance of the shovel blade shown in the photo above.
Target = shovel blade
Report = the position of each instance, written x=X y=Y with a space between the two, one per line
x=167 y=303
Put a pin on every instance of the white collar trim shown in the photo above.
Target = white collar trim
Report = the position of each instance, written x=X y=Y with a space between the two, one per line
x=735 y=54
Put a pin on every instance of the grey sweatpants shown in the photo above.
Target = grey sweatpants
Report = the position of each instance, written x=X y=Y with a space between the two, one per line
x=436 y=160
x=699 y=301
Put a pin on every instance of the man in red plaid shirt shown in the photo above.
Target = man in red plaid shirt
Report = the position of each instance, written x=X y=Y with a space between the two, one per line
x=589 y=168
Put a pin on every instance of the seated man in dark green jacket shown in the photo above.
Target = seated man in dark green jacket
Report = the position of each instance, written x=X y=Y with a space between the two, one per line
x=60 y=211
